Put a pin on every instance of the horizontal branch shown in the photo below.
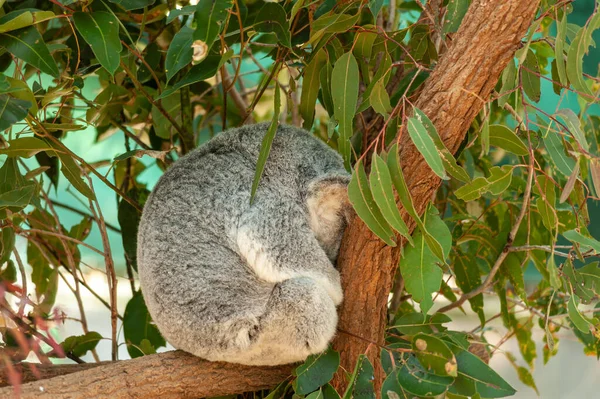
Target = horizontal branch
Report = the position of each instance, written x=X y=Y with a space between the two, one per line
x=174 y=374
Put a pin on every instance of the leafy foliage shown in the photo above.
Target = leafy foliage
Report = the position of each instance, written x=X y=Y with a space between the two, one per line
x=150 y=80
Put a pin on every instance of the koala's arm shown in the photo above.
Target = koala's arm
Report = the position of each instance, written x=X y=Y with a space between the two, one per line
x=276 y=241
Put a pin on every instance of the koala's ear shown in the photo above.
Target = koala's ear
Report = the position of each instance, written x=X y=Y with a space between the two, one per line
x=328 y=195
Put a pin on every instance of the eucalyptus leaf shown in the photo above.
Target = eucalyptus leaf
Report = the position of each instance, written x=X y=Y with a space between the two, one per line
x=28 y=45
x=361 y=198
x=344 y=91
x=267 y=141
x=100 y=30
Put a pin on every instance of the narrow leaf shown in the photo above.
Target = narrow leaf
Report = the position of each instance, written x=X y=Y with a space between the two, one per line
x=426 y=146
x=101 y=31
x=382 y=189
x=210 y=17
x=503 y=137
x=361 y=198
x=28 y=45
x=310 y=87
x=180 y=51
x=344 y=90
x=265 y=146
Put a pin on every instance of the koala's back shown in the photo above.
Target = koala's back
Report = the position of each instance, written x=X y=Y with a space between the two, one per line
x=200 y=292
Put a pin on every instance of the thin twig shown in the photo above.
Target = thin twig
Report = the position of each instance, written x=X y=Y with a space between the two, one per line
x=506 y=250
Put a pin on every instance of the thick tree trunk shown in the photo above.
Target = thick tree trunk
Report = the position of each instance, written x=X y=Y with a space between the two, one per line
x=453 y=95
x=174 y=374
x=455 y=92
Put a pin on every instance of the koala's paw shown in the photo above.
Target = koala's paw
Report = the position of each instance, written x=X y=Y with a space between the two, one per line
x=247 y=332
x=330 y=282
x=316 y=318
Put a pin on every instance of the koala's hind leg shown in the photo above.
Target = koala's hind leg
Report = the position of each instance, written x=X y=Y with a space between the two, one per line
x=300 y=320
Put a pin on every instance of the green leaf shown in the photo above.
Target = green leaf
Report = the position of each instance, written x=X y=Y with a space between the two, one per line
x=180 y=51
x=527 y=378
x=137 y=326
x=310 y=87
x=434 y=355
x=327 y=99
x=21 y=18
x=503 y=137
x=570 y=185
x=382 y=189
x=18 y=198
x=455 y=12
x=272 y=19
x=467 y=276
x=380 y=99
x=473 y=370
x=509 y=82
x=28 y=45
x=422 y=275
x=391 y=388
x=101 y=31
x=576 y=317
x=360 y=385
x=7 y=243
x=415 y=323
x=579 y=47
x=553 y=278
x=556 y=150
x=496 y=183
x=561 y=34
x=335 y=23
x=133 y=4
x=499 y=179
x=380 y=74
x=265 y=146
x=316 y=371
x=363 y=45
x=530 y=76
x=572 y=122
x=25 y=147
x=361 y=198
x=344 y=90
x=547 y=202
x=580 y=239
x=426 y=146
x=375 y=7
x=210 y=17
x=8 y=273
x=590 y=274
x=393 y=163
x=12 y=110
x=72 y=172
x=129 y=220
x=79 y=345
x=62 y=127
x=416 y=380
x=450 y=164
x=186 y=10
x=204 y=70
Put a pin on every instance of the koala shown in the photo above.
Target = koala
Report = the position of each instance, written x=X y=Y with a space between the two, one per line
x=250 y=283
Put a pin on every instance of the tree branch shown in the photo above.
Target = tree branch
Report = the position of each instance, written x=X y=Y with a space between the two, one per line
x=174 y=374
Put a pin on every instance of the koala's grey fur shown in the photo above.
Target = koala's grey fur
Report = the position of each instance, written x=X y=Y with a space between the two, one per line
x=251 y=284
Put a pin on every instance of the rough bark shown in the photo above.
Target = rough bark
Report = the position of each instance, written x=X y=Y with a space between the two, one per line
x=452 y=96
x=455 y=92
x=35 y=371
x=174 y=374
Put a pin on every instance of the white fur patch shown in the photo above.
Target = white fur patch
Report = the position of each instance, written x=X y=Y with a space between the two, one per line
x=257 y=258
